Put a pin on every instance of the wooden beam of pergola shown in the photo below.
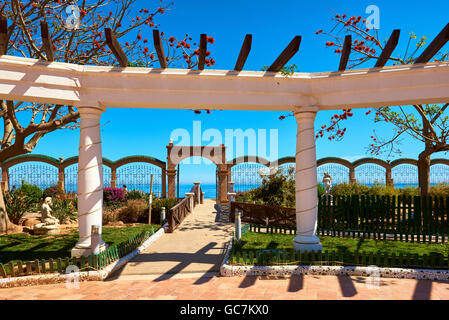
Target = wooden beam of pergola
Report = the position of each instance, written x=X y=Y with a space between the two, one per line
x=3 y=34
x=286 y=55
x=244 y=52
x=159 y=49
x=202 y=53
x=345 y=54
x=115 y=47
x=389 y=48
x=432 y=49
x=46 y=41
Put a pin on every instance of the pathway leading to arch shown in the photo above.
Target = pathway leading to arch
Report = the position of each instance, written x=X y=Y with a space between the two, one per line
x=195 y=248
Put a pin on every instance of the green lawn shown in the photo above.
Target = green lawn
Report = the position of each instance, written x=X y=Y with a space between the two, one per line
x=253 y=240
x=25 y=247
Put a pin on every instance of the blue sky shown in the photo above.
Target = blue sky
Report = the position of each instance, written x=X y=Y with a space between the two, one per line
x=273 y=24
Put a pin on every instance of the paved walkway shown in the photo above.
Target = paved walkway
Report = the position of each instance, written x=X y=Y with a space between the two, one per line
x=196 y=247
x=220 y=288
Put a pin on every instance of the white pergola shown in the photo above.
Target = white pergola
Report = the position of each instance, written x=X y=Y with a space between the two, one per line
x=93 y=89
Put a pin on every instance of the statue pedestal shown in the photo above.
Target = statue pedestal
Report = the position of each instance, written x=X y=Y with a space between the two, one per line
x=42 y=229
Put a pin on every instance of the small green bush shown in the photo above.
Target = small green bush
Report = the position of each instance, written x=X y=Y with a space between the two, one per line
x=32 y=192
x=439 y=190
x=135 y=194
x=63 y=208
x=277 y=189
x=16 y=205
x=349 y=189
x=383 y=190
x=409 y=191
x=134 y=211
x=157 y=205
x=321 y=189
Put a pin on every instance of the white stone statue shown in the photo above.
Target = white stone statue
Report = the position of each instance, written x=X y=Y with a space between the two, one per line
x=47 y=218
x=50 y=224
x=327 y=180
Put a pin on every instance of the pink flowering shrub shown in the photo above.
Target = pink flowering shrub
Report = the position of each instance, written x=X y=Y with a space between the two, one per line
x=114 y=196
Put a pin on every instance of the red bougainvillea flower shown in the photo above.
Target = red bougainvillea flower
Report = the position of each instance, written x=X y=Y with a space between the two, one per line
x=210 y=40
x=197 y=111
x=139 y=37
x=151 y=56
x=161 y=10
x=172 y=39
x=281 y=117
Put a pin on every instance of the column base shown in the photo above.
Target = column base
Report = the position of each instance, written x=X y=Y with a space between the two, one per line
x=78 y=252
x=307 y=243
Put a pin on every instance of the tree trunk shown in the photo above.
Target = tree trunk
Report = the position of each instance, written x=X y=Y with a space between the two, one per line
x=424 y=173
x=4 y=220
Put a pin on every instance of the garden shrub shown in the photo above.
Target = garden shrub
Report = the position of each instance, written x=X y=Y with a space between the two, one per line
x=110 y=215
x=156 y=207
x=349 y=189
x=63 y=208
x=278 y=189
x=17 y=203
x=32 y=192
x=135 y=194
x=409 y=191
x=439 y=190
x=321 y=189
x=114 y=196
x=134 y=211
x=383 y=190
x=52 y=192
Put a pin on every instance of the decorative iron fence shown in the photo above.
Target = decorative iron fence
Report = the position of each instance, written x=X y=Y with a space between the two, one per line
x=247 y=176
x=137 y=176
x=400 y=172
x=71 y=178
x=134 y=172
x=40 y=174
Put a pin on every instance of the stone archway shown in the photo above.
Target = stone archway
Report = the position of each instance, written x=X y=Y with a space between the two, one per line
x=216 y=154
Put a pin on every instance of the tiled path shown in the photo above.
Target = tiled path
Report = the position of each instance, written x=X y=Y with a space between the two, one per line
x=202 y=288
x=196 y=246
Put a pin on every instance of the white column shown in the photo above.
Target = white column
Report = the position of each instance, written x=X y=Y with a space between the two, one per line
x=306 y=182
x=90 y=180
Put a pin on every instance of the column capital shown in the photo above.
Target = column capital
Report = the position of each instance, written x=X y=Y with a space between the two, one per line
x=91 y=112
x=306 y=112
